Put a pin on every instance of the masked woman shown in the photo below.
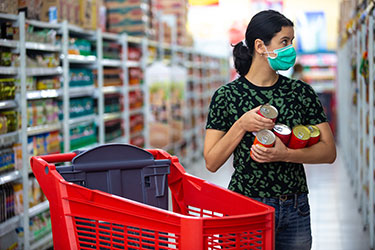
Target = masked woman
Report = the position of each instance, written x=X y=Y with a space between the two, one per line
x=276 y=175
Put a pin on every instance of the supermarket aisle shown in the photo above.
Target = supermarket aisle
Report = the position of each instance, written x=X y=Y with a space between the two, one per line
x=336 y=223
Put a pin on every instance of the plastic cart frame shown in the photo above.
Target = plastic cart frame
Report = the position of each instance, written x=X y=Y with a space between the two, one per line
x=205 y=216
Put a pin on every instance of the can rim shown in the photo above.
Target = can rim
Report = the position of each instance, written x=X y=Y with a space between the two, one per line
x=269 y=115
x=314 y=130
x=282 y=132
x=297 y=132
x=270 y=133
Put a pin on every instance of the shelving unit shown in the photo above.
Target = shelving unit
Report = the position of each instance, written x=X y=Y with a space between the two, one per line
x=356 y=109
x=128 y=118
x=319 y=71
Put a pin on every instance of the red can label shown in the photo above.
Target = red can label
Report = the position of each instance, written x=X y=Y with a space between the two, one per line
x=315 y=135
x=283 y=132
x=264 y=138
x=299 y=138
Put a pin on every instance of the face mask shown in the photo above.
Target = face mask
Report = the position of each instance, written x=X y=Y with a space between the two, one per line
x=284 y=59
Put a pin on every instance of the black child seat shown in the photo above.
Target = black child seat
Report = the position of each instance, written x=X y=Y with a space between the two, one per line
x=121 y=169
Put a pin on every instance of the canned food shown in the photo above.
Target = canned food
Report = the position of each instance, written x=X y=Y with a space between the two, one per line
x=283 y=132
x=315 y=135
x=300 y=137
x=264 y=138
x=268 y=111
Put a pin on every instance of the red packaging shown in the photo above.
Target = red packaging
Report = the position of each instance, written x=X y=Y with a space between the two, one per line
x=264 y=138
x=300 y=137
x=283 y=132
x=315 y=135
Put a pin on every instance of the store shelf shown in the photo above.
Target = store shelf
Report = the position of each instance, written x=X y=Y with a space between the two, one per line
x=9 y=225
x=111 y=63
x=9 y=17
x=39 y=208
x=9 y=177
x=78 y=31
x=110 y=36
x=81 y=91
x=120 y=139
x=43 y=47
x=41 y=94
x=8 y=104
x=80 y=59
x=136 y=111
x=8 y=70
x=44 y=243
x=87 y=118
x=112 y=116
x=135 y=87
x=43 y=71
x=9 y=43
x=9 y=138
x=45 y=25
x=112 y=90
x=133 y=64
x=43 y=129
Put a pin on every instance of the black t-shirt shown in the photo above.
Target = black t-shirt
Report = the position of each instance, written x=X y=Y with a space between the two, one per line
x=297 y=104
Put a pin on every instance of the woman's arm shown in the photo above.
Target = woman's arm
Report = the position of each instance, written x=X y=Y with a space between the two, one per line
x=322 y=152
x=219 y=145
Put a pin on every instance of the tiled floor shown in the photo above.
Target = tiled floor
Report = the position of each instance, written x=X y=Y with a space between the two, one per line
x=335 y=219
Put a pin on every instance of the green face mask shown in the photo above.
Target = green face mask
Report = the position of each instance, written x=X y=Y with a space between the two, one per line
x=284 y=59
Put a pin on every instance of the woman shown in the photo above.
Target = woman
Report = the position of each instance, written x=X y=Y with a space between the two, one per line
x=274 y=176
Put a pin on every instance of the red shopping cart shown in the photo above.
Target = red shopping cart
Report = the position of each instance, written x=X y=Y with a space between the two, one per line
x=205 y=216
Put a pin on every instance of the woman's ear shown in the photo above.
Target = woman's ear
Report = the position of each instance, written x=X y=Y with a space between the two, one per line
x=259 y=47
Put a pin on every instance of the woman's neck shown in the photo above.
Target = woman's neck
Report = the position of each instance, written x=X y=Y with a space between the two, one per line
x=261 y=75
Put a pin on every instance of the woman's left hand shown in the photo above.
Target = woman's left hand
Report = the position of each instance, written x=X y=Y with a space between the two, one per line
x=262 y=154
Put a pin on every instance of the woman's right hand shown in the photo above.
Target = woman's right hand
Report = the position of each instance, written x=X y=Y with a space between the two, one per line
x=253 y=122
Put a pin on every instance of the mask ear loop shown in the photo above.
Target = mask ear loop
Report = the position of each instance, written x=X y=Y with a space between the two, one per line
x=268 y=53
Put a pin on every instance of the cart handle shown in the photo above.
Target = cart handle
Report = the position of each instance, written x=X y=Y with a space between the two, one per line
x=53 y=158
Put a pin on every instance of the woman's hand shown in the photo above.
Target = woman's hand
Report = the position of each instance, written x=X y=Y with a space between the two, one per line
x=253 y=122
x=262 y=154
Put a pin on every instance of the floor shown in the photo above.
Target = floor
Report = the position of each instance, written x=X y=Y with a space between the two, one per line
x=335 y=220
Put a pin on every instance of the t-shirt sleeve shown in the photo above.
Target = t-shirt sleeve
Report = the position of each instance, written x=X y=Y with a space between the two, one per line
x=218 y=113
x=314 y=111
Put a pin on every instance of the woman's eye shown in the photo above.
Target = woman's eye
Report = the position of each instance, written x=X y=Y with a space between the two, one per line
x=285 y=42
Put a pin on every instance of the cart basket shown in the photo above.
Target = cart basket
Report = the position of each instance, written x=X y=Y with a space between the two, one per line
x=205 y=216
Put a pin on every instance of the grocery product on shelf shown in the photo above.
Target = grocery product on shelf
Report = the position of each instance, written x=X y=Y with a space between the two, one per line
x=127 y=16
x=80 y=77
x=79 y=107
x=82 y=135
x=46 y=143
x=112 y=77
x=113 y=129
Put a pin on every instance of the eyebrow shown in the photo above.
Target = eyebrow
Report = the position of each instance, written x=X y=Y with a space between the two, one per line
x=286 y=37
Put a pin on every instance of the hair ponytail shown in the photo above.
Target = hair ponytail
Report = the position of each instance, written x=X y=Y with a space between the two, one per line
x=264 y=26
x=242 y=58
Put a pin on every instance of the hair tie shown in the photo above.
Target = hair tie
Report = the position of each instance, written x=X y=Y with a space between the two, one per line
x=244 y=43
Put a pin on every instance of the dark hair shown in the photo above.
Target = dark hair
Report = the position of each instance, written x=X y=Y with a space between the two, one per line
x=264 y=25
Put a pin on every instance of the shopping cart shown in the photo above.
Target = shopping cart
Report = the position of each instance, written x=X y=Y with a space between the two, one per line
x=205 y=216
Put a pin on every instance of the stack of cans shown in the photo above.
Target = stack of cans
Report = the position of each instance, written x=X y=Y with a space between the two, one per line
x=299 y=137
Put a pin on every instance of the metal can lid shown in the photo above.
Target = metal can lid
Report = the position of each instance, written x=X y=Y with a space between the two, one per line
x=315 y=132
x=268 y=111
x=301 y=132
x=282 y=129
x=266 y=137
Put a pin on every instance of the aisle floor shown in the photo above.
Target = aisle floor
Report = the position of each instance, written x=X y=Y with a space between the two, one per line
x=335 y=220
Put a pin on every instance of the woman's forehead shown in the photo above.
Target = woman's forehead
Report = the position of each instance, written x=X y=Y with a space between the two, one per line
x=286 y=31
